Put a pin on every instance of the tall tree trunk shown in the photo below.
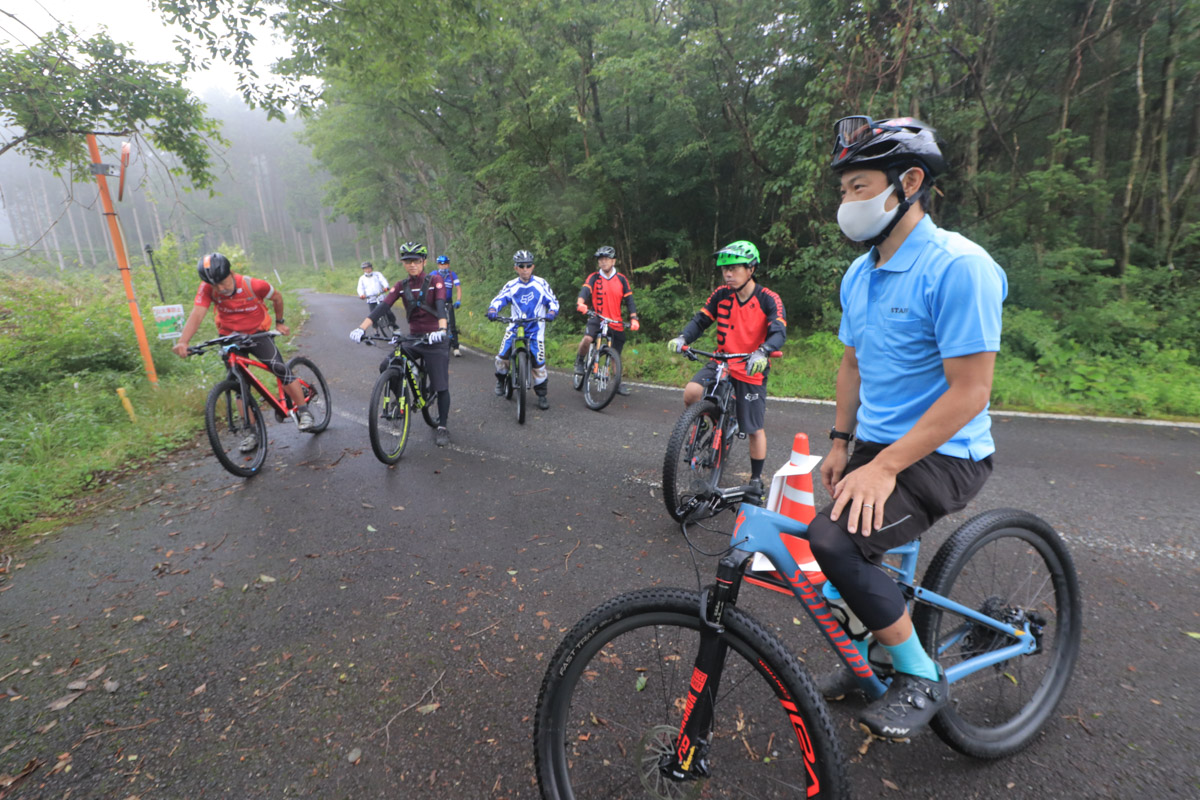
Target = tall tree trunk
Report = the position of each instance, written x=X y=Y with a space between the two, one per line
x=299 y=247
x=1132 y=193
x=373 y=252
x=312 y=248
x=258 y=188
x=1163 y=237
x=325 y=238
x=383 y=239
x=75 y=233
x=41 y=225
x=158 y=226
x=87 y=233
x=137 y=225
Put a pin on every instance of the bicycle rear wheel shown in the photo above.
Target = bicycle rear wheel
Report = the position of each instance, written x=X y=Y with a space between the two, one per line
x=389 y=415
x=603 y=376
x=236 y=429
x=1012 y=566
x=694 y=457
x=519 y=372
x=614 y=695
x=315 y=390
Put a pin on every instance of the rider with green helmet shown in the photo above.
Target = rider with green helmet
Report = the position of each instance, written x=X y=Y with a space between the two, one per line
x=750 y=319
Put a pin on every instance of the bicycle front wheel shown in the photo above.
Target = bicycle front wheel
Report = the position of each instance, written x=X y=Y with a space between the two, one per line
x=602 y=379
x=694 y=457
x=1012 y=566
x=519 y=372
x=316 y=391
x=429 y=399
x=236 y=429
x=389 y=415
x=614 y=695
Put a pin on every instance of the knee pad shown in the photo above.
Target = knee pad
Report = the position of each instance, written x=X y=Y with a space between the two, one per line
x=540 y=374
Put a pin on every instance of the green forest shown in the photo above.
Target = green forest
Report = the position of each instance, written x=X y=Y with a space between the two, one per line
x=670 y=128
x=665 y=129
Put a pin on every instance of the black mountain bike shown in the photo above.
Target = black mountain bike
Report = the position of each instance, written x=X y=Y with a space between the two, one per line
x=236 y=427
x=519 y=380
x=401 y=390
x=699 y=451
x=602 y=368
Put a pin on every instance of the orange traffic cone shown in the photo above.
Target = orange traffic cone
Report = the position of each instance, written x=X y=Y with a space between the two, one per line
x=795 y=501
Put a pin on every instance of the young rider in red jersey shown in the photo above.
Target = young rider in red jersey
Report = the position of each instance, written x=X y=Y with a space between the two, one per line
x=606 y=289
x=750 y=319
x=242 y=308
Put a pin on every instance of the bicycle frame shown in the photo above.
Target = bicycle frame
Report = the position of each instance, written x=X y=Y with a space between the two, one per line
x=240 y=369
x=757 y=531
x=401 y=359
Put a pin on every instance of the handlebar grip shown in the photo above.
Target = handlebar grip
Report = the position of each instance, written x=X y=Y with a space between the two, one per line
x=775 y=354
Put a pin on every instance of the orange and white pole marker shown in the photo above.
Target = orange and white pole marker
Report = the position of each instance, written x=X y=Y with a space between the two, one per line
x=114 y=230
x=793 y=497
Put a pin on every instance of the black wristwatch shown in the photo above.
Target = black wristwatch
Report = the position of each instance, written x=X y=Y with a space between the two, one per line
x=834 y=433
x=279 y=321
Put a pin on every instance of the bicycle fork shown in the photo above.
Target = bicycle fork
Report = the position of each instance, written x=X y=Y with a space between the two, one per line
x=689 y=758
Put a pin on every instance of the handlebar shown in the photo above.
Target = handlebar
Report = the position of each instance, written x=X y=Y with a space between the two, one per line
x=601 y=316
x=519 y=320
x=714 y=501
x=239 y=341
x=395 y=339
x=694 y=354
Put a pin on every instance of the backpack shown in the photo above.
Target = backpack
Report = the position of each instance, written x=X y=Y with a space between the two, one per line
x=423 y=300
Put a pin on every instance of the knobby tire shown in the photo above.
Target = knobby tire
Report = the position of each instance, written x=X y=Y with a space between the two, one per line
x=1007 y=564
x=389 y=415
x=316 y=390
x=690 y=465
x=602 y=378
x=612 y=700
x=226 y=427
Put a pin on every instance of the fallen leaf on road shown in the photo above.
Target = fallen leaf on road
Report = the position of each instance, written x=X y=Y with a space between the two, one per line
x=199 y=689
x=11 y=780
x=429 y=708
x=77 y=686
x=371 y=528
x=890 y=785
x=63 y=702
x=46 y=727
x=266 y=579
x=218 y=583
x=97 y=673
x=1193 y=634
x=111 y=686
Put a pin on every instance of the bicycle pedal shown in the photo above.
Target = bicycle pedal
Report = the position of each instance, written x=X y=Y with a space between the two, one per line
x=874 y=737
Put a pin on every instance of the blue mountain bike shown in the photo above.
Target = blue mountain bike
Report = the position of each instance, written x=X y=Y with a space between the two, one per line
x=672 y=693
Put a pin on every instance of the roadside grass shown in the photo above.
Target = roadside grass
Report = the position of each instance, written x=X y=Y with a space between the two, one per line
x=65 y=349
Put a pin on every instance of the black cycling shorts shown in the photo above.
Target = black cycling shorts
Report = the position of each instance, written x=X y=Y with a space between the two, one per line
x=435 y=360
x=264 y=350
x=751 y=399
x=925 y=492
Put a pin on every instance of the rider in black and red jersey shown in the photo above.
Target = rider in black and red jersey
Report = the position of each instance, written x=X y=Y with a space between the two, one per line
x=242 y=308
x=607 y=290
x=750 y=319
x=424 y=298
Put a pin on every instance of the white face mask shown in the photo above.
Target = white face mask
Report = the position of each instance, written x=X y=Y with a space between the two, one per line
x=861 y=220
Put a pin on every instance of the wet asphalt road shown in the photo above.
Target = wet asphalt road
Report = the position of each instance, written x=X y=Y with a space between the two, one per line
x=260 y=631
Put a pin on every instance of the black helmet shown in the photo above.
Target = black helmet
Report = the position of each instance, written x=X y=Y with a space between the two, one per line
x=214 y=268
x=368 y=265
x=889 y=143
x=412 y=251
x=606 y=252
x=522 y=257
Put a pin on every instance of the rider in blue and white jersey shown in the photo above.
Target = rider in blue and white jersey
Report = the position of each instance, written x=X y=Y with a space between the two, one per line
x=528 y=295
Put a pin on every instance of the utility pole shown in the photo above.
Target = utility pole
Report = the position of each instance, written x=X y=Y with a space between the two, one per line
x=118 y=242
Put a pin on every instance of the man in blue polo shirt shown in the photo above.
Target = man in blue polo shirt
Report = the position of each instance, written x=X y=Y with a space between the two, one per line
x=921 y=326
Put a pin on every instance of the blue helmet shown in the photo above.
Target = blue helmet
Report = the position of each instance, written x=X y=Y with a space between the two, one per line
x=443 y=259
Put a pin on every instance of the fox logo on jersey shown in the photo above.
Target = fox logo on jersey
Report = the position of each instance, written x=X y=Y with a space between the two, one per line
x=525 y=298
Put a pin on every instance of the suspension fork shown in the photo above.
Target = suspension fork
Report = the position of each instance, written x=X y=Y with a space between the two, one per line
x=689 y=759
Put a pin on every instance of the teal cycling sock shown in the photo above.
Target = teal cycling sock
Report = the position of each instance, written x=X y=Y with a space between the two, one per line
x=910 y=657
x=862 y=645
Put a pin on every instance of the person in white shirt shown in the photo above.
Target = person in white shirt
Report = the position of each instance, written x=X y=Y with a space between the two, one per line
x=372 y=286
